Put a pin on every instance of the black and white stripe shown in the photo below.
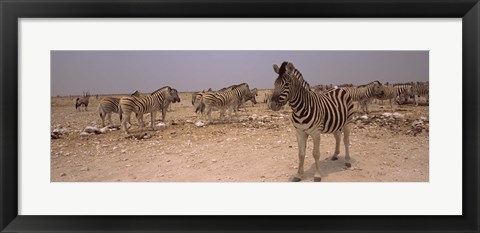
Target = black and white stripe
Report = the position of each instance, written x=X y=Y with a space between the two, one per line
x=392 y=92
x=146 y=104
x=420 y=89
x=312 y=113
x=226 y=99
x=167 y=101
x=363 y=93
x=109 y=105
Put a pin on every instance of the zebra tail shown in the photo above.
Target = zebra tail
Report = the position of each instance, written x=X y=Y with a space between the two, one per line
x=100 y=110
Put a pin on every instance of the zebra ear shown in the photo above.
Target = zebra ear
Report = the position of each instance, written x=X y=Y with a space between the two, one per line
x=275 y=68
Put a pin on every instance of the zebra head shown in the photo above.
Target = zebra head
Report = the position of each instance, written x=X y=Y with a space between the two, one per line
x=251 y=97
x=174 y=95
x=377 y=89
x=281 y=88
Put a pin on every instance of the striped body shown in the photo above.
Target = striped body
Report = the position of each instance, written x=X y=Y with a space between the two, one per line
x=267 y=97
x=171 y=98
x=226 y=98
x=363 y=93
x=391 y=93
x=110 y=105
x=223 y=100
x=145 y=104
x=420 y=89
x=312 y=113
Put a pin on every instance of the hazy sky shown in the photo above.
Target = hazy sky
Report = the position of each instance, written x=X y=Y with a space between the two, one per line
x=118 y=72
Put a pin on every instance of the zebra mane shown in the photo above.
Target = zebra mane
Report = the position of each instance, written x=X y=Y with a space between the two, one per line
x=161 y=89
x=376 y=81
x=295 y=74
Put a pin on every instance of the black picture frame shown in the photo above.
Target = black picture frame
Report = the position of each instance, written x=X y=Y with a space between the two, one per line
x=11 y=11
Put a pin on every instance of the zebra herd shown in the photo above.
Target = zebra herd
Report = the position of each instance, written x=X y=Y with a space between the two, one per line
x=159 y=100
x=314 y=112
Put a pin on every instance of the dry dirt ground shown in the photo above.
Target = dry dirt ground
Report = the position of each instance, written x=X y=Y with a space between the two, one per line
x=258 y=146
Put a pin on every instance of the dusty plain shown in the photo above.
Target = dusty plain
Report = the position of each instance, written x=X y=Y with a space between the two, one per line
x=257 y=146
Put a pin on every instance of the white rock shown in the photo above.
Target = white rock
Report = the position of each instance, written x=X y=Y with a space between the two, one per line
x=200 y=123
x=364 y=117
x=104 y=129
x=84 y=134
x=398 y=115
x=91 y=129
x=161 y=124
x=387 y=114
x=190 y=121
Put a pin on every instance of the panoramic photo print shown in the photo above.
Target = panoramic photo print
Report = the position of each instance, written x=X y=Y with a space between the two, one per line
x=239 y=116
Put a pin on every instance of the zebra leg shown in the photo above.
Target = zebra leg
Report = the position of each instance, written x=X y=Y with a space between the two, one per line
x=124 y=123
x=230 y=110
x=337 y=135
x=209 y=114
x=102 y=116
x=164 y=114
x=152 y=117
x=316 y=155
x=302 y=145
x=365 y=106
x=140 y=120
x=109 y=117
x=346 y=142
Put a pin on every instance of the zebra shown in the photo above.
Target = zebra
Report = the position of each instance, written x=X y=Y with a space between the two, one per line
x=110 y=104
x=197 y=101
x=229 y=98
x=420 y=89
x=363 y=93
x=167 y=102
x=254 y=91
x=312 y=114
x=83 y=101
x=391 y=93
x=144 y=104
x=247 y=97
x=245 y=94
x=267 y=96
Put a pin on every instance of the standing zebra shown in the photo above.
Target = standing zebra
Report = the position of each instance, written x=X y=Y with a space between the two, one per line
x=267 y=97
x=110 y=104
x=230 y=98
x=197 y=102
x=254 y=91
x=145 y=104
x=244 y=94
x=312 y=114
x=363 y=93
x=391 y=93
x=420 y=89
x=83 y=101
x=167 y=102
